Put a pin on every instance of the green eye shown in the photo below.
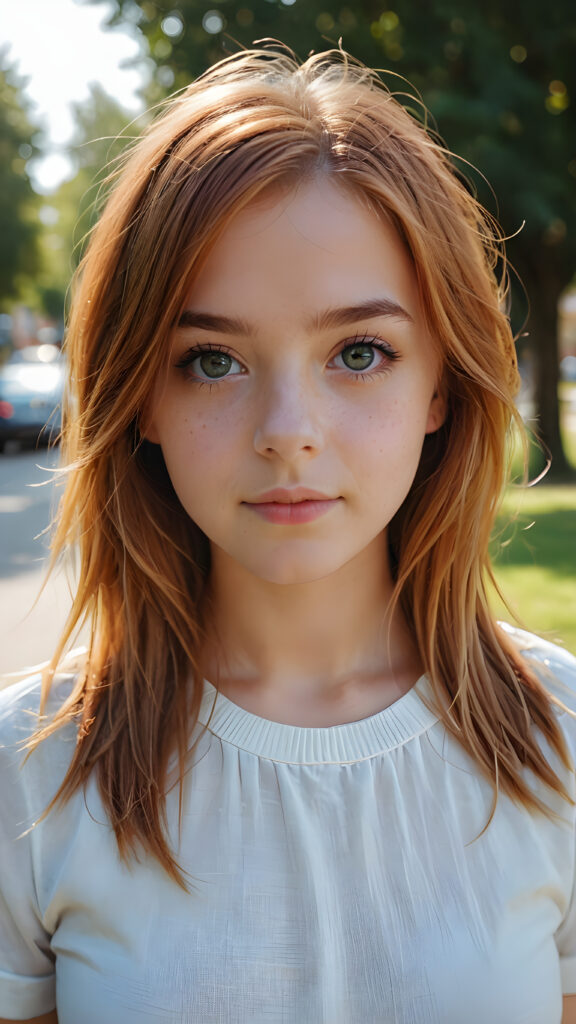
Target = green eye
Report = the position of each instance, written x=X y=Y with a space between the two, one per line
x=358 y=357
x=214 y=364
x=206 y=364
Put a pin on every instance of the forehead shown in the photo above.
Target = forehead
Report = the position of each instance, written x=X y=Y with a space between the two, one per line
x=313 y=245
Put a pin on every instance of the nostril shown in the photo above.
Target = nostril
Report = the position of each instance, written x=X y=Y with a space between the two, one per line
x=287 y=439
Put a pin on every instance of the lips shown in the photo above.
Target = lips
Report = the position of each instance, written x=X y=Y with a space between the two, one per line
x=289 y=496
x=291 y=506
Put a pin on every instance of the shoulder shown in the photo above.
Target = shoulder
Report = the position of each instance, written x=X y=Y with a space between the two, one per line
x=555 y=668
x=554 y=665
x=41 y=771
x=19 y=708
x=20 y=692
x=20 y=703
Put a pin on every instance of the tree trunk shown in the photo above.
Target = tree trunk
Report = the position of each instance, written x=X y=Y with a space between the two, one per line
x=544 y=287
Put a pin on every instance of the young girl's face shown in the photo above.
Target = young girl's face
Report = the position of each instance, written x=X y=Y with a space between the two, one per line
x=301 y=383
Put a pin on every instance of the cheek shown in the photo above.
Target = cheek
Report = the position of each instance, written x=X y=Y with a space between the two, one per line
x=392 y=429
x=193 y=433
x=199 y=447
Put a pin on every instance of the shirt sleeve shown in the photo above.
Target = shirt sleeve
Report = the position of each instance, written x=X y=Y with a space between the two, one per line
x=557 y=669
x=27 y=982
x=566 y=933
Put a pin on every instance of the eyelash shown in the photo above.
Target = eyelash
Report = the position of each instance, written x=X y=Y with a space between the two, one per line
x=199 y=350
x=392 y=355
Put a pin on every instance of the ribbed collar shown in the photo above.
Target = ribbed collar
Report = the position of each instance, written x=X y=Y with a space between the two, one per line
x=337 y=744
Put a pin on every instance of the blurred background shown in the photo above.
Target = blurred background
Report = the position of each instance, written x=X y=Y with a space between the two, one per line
x=77 y=79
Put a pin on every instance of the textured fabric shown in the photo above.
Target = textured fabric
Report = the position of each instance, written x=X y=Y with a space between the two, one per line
x=338 y=876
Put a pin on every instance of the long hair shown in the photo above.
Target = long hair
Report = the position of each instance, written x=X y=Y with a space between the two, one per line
x=256 y=121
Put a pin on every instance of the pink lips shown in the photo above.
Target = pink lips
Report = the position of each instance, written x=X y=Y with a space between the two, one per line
x=286 y=506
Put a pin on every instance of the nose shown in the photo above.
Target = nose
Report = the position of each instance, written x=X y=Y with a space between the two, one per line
x=288 y=421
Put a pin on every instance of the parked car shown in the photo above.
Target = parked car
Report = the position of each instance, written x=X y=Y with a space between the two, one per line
x=31 y=389
x=568 y=369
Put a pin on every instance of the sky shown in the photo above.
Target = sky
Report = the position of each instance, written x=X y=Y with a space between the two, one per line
x=60 y=47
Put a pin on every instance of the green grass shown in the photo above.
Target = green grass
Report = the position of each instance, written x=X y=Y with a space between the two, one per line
x=567 y=394
x=535 y=556
x=537 y=459
x=534 y=546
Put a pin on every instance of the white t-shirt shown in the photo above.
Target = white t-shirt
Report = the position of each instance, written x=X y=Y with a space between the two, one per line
x=338 y=877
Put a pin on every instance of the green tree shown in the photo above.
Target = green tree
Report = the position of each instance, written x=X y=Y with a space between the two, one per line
x=68 y=214
x=499 y=79
x=18 y=201
x=103 y=129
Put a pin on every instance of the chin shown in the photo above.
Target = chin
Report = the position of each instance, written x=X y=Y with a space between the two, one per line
x=293 y=572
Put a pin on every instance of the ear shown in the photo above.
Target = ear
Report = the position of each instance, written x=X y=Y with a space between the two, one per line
x=437 y=409
x=147 y=429
x=147 y=418
x=150 y=435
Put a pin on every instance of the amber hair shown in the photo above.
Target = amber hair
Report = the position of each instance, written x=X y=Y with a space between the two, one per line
x=256 y=121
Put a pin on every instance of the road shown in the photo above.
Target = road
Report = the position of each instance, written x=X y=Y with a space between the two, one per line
x=27 y=499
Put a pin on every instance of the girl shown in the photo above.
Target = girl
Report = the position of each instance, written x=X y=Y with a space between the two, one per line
x=300 y=774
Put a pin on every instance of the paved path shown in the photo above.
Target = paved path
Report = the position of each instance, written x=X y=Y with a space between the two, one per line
x=27 y=633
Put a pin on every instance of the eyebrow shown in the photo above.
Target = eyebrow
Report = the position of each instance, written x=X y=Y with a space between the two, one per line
x=212 y=322
x=370 y=309
x=338 y=316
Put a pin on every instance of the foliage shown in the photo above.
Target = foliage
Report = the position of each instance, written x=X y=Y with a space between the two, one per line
x=536 y=560
x=18 y=229
x=499 y=78
x=100 y=136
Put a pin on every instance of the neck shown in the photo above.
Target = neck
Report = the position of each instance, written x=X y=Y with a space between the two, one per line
x=318 y=640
